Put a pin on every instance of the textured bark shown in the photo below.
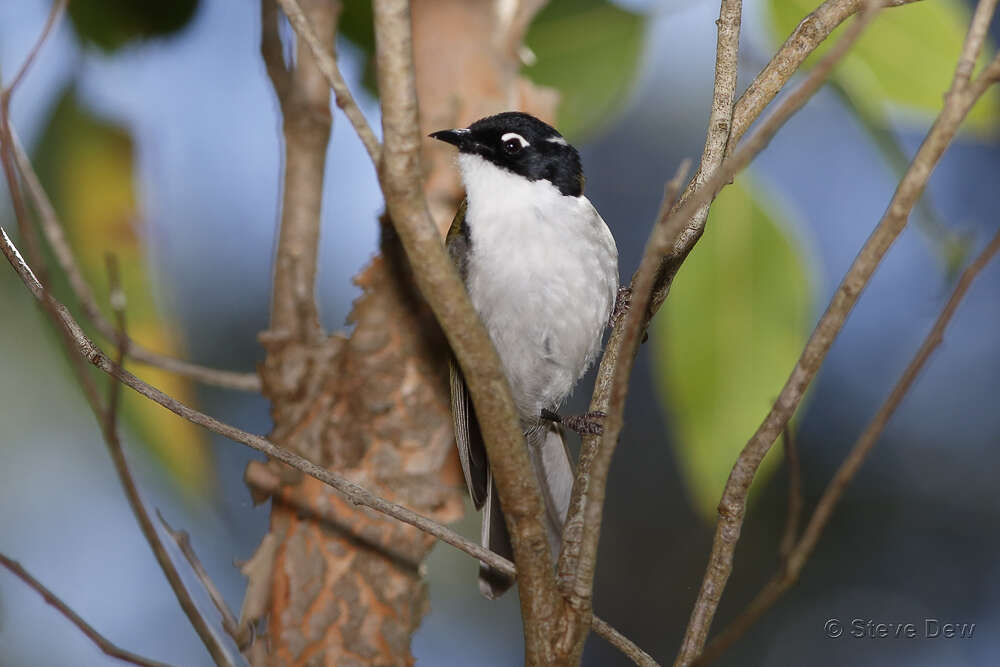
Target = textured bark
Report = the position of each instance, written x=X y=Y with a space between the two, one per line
x=345 y=585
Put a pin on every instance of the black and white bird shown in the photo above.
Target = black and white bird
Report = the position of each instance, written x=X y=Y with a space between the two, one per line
x=541 y=269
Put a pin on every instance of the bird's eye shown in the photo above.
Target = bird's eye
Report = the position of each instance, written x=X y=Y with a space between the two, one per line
x=512 y=146
x=513 y=143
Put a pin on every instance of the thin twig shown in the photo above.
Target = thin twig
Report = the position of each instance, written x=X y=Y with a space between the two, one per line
x=328 y=65
x=105 y=417
x=615 y=384
x=116 y=296
x=574 y=532
x=732 y=507
x=812 y=31
x=109 y=428
x=795 y=501
x=622 y=643
x=54 y=13
x=229 y=623
x=106 y=646
x=798 y=555
x=861 y=449
x=52 y=229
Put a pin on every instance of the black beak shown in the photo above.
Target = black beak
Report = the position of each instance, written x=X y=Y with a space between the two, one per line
x=458 y=137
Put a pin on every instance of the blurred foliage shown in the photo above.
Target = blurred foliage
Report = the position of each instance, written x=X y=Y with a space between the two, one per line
x=589 y=51
x=903 y=62
x=733 y=327
x=110 y=24
x=358 y=26
x=87 y=167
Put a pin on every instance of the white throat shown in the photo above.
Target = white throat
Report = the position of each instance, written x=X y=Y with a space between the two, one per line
x=488 y=185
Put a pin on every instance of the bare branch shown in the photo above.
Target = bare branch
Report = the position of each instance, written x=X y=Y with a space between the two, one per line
x=622 y=643
x=241 y=635
x=399 y=173
x=797 y=556
x=612 y=384
x=304 y=97
x=71 y=334
x=807 y=36
x=575 y=578
x=109 y=427
x=52 y=229
x=54 y=13
x=861 y=449
x=99 y=640
x=328 y=66
x=117 y=298
x=732 y=507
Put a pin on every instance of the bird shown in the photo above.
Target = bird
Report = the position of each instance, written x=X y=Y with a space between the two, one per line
x=541 y=269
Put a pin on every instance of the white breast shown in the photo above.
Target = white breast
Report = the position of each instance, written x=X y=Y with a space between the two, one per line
x=543 y=275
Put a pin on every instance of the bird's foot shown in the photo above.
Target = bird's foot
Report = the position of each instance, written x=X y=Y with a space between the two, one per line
x=623 y=301
x=589 y=423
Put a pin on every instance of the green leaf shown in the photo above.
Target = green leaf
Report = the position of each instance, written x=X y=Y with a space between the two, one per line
x=731 y=331
x=905 y=59
x=589 y=51
x=110 y=24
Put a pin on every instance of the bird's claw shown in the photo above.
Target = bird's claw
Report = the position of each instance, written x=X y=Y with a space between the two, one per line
x=623 y=301
x=589 y=423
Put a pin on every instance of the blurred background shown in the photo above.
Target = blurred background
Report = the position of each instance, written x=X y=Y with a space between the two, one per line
x=156 y=131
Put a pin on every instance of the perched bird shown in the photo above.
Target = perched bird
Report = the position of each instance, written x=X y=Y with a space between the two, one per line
x=541 y=269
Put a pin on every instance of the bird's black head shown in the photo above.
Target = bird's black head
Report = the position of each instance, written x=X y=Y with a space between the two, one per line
x=524 y=145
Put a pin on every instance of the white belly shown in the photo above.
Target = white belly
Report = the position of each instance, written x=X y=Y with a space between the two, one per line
x=543 y=274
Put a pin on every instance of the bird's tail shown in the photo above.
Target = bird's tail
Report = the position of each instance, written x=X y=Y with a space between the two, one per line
x=550 y=459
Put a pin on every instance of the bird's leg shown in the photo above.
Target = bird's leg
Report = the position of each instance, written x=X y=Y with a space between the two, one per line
x=589 y=423
x=623 y=301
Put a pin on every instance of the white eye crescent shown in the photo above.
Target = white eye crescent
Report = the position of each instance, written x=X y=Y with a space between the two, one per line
x=513 y=142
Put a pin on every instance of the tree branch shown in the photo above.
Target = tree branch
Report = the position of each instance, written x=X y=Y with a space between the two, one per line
x=327 y=64
x=796 y=558
x=52 y=230
x=60 y=317
x=575 y=573
x=106 y=646
x=732 y=507
x=109 y=428
x=622 y=643
x=305 y=110
x=806 y=38
x=614 y=385
x=243 y=636
x=400 y=177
